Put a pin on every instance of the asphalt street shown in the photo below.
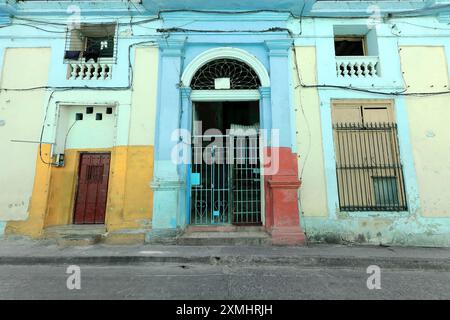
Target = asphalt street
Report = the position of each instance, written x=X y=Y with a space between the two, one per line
x=219 y=282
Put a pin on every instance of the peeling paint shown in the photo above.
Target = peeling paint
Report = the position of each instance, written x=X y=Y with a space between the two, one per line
x=411 y=231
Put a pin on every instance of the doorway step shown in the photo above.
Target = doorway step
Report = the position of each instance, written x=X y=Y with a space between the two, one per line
x=76 y=235
x=224 y=236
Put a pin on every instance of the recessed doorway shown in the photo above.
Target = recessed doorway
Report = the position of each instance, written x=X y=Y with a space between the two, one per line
x=226 y=168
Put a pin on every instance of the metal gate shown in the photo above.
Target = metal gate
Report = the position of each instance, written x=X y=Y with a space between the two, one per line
x=226 y=180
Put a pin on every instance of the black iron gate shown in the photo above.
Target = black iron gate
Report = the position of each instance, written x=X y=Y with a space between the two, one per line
x=226 y=180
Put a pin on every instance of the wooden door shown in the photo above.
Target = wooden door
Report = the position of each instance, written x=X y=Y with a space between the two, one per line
x=92 y=193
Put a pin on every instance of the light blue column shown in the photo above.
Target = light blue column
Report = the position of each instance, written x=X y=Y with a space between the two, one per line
x=167 y=182
x=280 y=85
x=184 y=168
x=265 y=112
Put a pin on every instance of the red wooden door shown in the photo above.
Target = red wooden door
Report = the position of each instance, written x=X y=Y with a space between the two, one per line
x=93 y=175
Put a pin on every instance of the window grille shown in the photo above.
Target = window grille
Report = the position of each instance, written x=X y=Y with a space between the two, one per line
x=368 y=167
x=91 y=43
x=240 y=75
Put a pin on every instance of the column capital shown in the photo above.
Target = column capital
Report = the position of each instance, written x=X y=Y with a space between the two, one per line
x=444 y=17
x=265 y=92
x=171 y=47
x=279 y=48
x=185 y=92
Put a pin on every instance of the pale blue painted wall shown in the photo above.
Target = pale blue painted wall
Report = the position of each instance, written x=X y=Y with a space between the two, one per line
x=2 y=228
x=407 y=227
x=177 y=51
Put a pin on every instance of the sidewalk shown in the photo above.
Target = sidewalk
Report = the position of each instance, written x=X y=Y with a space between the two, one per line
x=26 y=252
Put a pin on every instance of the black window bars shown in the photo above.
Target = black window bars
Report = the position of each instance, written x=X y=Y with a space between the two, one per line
x=368 y=167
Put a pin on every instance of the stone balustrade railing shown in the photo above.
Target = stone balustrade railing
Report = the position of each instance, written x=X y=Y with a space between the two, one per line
x=81 y=70
x=357 y=66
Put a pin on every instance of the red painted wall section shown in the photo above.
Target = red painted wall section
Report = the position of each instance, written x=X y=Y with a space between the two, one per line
x=281 y=184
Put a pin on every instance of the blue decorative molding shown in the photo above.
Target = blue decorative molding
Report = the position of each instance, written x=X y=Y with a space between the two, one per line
x=87 y=8
x=444 y=17
x=7 y=9
x=279 y=47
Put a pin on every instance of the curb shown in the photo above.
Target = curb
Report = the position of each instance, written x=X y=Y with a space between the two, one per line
x=303 y=261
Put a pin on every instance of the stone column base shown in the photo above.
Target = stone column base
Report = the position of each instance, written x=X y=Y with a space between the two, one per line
x=288 y=236
x=282 y=212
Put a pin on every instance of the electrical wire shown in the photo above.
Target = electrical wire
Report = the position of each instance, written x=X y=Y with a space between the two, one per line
x=60 y=89
x=43 y=128
x=177 y=29
x=67 y=134
x=158 y=15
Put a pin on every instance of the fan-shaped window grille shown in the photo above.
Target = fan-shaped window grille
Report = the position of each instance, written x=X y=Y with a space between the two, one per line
x=240 y=75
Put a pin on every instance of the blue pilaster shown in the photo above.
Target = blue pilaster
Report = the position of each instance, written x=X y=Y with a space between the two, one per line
x=265 y=113
x=167 y=182
x=280 y=95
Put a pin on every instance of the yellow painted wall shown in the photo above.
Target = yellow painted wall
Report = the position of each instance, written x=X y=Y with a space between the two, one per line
x=143 y=111
x=309 y=136
x=429 y=125
x=130 y=197
x=33 y=224
x=22 y=68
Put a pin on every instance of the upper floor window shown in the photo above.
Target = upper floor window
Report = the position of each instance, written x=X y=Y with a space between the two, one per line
x=350 y=46
x=90 y=51
x=356 y=50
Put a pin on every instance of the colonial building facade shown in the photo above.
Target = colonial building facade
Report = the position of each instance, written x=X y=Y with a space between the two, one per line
x=321 y=121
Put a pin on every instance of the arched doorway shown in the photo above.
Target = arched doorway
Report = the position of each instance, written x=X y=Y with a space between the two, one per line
x=225 y=173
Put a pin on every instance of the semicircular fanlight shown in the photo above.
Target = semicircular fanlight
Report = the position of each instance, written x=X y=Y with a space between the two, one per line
x=241 y=75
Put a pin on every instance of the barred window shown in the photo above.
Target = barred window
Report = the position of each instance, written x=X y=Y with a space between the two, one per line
x=91 y=42
x=368 y=166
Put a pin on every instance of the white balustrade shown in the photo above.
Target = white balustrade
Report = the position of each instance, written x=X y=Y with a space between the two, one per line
x=89 y=70
x=357 y=66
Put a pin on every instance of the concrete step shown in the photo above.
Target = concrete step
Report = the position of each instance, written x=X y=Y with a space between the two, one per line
x=78 y=240
x=224 y=228
x=209 y=238
x=76 y=235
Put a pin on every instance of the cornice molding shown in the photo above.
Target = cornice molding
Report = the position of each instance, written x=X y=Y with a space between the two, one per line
x=444 y=17
x=216 y=16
